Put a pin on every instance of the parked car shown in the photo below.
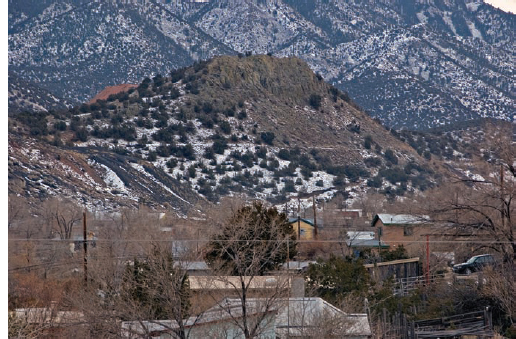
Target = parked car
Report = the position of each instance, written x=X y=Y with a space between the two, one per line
x=474 y=264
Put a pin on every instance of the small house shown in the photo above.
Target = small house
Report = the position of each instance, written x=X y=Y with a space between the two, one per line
x=217 y=322
x=304 y=228
x=401 y=229
x=359 y=241
x=310 y=318
x=272 y=317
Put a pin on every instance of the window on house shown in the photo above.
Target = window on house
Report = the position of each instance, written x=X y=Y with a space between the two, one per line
x=302 y=232
x=408 y=231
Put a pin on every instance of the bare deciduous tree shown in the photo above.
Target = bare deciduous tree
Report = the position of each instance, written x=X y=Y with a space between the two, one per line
x=500 y=285
x=134 y=276
x=62 y=216
x=255 y=239
x=371 y=203
x=17 y=210
x=485 y=210
x=498 y=139
x=155 y=289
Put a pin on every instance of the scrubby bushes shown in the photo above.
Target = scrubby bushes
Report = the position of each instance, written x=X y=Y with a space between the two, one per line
x=315 y=101
x=390 y=156
x=394 y=175
x=267 y=137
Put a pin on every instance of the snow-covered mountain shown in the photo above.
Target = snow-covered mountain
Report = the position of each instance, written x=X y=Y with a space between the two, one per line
x=412 y=64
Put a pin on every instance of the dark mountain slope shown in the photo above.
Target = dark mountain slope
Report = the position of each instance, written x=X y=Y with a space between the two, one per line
x=25 y=96
x=93 y=45
x=98 y=179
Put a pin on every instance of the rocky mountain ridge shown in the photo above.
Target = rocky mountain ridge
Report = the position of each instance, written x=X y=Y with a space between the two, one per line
x=412 y=65
x=262 y=126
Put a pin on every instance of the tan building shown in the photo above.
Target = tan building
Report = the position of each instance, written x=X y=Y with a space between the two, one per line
x=304 y=228
x=402 y=229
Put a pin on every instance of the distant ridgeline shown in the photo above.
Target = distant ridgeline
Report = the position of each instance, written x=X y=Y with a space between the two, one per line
x=411 y=64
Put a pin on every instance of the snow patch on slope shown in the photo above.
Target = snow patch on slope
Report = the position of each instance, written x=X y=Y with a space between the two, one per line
x=142 y=170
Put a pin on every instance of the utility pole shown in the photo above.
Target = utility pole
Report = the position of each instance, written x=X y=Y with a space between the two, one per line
x=298 y=218
x=502 y=198
x=380 y=230
x=85 y=244
x=427 y=259
x=290 y=285
x=315 y=217
x=298 y=227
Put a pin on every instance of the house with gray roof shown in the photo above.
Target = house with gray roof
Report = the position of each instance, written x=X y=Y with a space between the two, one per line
x=274 y=318
x=402 y=229
x=310 y=318
x=217 y=322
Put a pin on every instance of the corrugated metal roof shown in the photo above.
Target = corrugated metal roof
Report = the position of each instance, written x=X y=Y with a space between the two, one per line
x=218 y=313
x=294 y=316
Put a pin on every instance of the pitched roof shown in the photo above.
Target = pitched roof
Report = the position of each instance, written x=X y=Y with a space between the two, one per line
x=370 y=243
x=307 y=221
x=216 y=314
x=400 y=219
x=297 y=316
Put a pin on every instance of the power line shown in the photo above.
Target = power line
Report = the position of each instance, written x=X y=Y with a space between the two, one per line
x=263 y=240
x=41 y=266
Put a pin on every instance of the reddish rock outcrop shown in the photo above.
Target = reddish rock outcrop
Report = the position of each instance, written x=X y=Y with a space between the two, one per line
x=106 y=92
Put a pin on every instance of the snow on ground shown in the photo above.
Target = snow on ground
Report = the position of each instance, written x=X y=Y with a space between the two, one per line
x=140 y=169
x=422 y=17
x=474 y=31
x=447 y=19
x=473 y=6
x=473 y=176
x=112 y=180
x=205 y=168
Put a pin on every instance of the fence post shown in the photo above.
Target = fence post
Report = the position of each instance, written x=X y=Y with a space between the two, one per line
x=384 y=316
x=488 y=321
